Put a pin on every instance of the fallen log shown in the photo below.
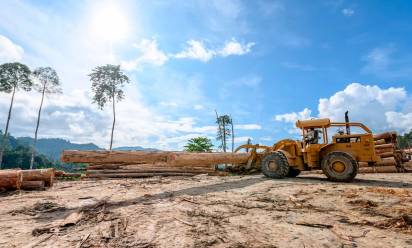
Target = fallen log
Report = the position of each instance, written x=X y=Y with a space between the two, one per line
x=46 y=175
x=386 y=154
x=384 y=162
x=137 y=175
x=161 y=170
x=66 y=175
x=385 y=136
x=381 y=169
x=384 y=146
x=380 y=142
x=33 y=185
x=143 y=157
x=380 y=151
x=10 y=179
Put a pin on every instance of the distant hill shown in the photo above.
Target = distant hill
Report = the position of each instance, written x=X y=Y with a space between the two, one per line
x=134 y=148
x=53 y=147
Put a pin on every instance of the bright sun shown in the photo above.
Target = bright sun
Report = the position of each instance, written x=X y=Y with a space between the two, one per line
x=109 y=22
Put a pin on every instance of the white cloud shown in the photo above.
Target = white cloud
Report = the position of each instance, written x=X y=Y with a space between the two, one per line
x=9 y=51
x=233 y=47
x=294 y=116
x=168 y=104
x=195 y=50
x=379 y=108
x=399 y=121
x=248 y=127
x=348 y=12
x=149 y=54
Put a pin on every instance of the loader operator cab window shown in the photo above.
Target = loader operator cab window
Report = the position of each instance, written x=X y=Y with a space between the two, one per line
x=312 y=136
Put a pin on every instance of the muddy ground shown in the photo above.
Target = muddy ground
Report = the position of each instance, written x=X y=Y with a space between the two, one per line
x=212 y=211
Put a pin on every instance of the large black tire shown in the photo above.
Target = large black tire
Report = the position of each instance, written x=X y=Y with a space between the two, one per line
x=293 y=172
x=275 y=165
x=339 y=167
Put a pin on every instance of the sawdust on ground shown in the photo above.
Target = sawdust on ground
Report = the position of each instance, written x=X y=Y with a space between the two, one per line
x=210 y=211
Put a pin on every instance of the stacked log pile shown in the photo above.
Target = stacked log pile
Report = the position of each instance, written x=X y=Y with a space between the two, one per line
x=66 y=175
x=122 y=164
x=392 y=158
x=26 y=179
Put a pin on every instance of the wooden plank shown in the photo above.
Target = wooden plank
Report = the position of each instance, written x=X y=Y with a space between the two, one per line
x=137 y=175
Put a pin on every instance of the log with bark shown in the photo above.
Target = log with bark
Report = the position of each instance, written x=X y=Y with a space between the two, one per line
x=380 y=169
x=10 y=179
x=46 y=175
x=143 y=157
x=386 y=136
x=33 y=185
x=138 y=175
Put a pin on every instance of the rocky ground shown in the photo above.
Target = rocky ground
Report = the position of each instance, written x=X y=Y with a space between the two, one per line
x=203 y=211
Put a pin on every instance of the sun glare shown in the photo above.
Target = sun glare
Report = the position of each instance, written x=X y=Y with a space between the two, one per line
x=109 y=22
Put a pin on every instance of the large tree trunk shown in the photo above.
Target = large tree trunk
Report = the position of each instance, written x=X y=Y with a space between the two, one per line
x=114 y=121
x=11 y=179
x=157 y=159
x=33 y=153
x=46 y=175
x=3 y=143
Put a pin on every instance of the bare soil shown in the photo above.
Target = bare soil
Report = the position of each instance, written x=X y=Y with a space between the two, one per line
x=210 y=211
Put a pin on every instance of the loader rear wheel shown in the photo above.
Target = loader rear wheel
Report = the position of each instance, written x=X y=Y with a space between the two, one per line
x=275 y=165
x=293 y=172
x=339 y=167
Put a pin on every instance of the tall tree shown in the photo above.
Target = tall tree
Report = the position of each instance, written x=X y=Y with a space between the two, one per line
x=107 y=84
x=13 y=77
x=224 y=130
x=47 y=82
x=199 y=144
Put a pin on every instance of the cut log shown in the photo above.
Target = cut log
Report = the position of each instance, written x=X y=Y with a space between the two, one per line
x=74 y=156
x=66 y=175
x=380 y=151
x=46 y=175
x=33 y=185
x=206 y=159
x=58 y=173
x=380 y=142
x=386 y=154
x=137 y=175
x=143 y=157
x=387 y=135
x=171 y=170
x=384 y=146
x=381 y=169
x=10 y=179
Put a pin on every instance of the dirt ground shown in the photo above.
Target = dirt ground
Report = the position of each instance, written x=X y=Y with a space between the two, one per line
x=212 y=211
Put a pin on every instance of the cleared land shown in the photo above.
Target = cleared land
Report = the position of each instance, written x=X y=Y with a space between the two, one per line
x=202 y=211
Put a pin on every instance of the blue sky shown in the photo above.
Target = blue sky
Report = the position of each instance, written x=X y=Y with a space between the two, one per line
x=266 y=63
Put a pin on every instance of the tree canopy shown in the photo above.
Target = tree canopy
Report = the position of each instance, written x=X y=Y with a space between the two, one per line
x=15 y=76
x=107 y=83
x=199 y=144
x=47 y=80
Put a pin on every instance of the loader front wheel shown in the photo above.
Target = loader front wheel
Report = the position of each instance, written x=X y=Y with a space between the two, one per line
x=275 y=165
x=339 y=167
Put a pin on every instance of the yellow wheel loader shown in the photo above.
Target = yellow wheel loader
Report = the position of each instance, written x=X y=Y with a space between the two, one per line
x=338 y=157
